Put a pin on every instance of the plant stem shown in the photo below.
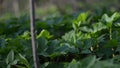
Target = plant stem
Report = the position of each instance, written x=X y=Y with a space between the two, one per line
x=33 y=36
x=110 y=32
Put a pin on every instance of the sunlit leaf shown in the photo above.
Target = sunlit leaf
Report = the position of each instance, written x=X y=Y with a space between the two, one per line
x=45 y=34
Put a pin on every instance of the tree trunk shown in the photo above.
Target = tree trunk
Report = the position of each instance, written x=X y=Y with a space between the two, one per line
x=33 y=35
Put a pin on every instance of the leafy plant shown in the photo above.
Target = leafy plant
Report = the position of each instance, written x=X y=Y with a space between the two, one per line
x=14 y=61
x=72 y=41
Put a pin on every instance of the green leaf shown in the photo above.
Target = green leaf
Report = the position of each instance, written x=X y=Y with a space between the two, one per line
x=116 y=59
x=74 y=64
x=26 y=35
x=15 y=62
x=42 y=44
x=76 y=24
x=52 y=46
x=88 y=62
x=105 y=64
x=24 y=61
x=115 y=15
x=98 y=27
x=70 y=37
x=85 y=29
x=109 y=20
x=62 y=49
x=81 y=19
x=105 y=52
x=117 y=24
x=112 y=43
x=88 y=43
x=83 y=16
x=101 y=38
x=2 y=43
x=10 y=57
x=118 y=49
x=85 y=51
x=8 y=66
x=72 y=49
x=69 y=48
x=44 y=33
x=80 y=44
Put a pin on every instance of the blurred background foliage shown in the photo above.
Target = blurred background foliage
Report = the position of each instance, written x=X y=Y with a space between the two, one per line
x=44 y=8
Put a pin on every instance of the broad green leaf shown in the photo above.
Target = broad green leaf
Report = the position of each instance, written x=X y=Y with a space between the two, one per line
x=70 y=37
x=117 y=24
x=104 y=52
x=8 y=66
x=44 y=33
x=15 y=62
x=86 y=29
x=52 y=46
x=85 y=51
x=83 y=16
x=80 y=44
x=115 y=15
x=62 y=49
x=88 y=62
x=10 y=57
x=109 y=20
x=101 y=38
x=76 y=24
x=118 y=49
x=69 y=48
x=105 y=64
x=88 y=43
x=24 y=61
x=98 y=27
x=42 y=44
x=72 y=49
x=26 y=35
x=81 y=19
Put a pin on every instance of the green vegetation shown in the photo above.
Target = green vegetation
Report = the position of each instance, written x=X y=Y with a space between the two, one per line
x=84 y=40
